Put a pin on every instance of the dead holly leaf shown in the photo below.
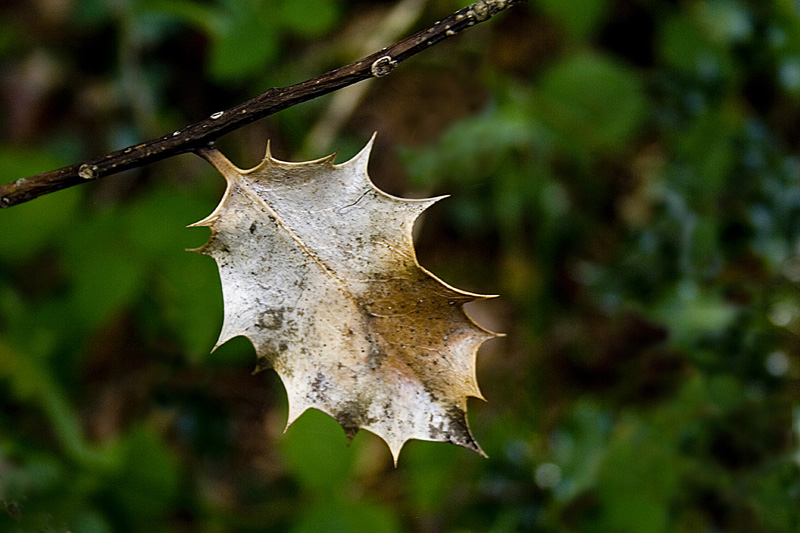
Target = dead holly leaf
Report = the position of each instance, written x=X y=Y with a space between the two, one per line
x=318 y=270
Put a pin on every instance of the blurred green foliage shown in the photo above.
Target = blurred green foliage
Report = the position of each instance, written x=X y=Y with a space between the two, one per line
x=625 y=174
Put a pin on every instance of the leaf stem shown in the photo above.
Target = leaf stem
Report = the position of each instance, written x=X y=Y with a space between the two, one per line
x=200 y=134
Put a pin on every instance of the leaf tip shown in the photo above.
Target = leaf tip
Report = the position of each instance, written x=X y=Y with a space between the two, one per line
x=361 y=159
x=394 y=449
x=472 y=444
x=198 y=250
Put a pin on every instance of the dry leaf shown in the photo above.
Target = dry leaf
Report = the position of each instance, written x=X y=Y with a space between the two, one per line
x=318 y=270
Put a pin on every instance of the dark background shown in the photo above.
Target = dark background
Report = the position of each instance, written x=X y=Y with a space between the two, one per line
x=625 y=174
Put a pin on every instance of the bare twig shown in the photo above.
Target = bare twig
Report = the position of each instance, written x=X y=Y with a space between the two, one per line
x=200 y=134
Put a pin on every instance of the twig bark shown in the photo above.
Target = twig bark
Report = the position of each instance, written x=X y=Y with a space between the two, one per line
x=200 y=134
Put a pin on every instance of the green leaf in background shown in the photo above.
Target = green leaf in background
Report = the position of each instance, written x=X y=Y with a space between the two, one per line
x=337 y=516
x=579 y=18
x=105 y=272
x=245 y=44
x=708 y=149
x=315 y=452
x=185 y=284
x=27 y=230
x=591 y=101
x=767 y=496
x=188 y=293
x=638 y=479
x=686 y=47
x=206 y=17
x=166 y=235
x=579 y=448
x=691 y=311
x=146 y=480
x=244 y=34
x=427 y=467
x=725 y=21
x=311 y=18
x=88 y=521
